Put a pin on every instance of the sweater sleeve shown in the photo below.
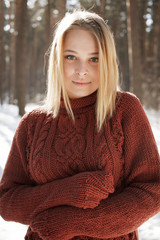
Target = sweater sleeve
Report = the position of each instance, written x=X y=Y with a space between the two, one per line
x=21 y=199
x=121 y=213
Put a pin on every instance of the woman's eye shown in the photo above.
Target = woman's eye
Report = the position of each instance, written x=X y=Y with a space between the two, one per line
x=70 y=57
x=94 y=59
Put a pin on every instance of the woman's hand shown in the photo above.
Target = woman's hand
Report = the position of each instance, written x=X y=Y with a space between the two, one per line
x=53 y=224
x=89 y=188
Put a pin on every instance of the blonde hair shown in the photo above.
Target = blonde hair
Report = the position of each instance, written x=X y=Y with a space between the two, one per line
x=108 y=68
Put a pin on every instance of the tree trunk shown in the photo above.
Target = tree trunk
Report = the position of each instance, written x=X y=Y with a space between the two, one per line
x=34 y=62
x=156 y=47
x=142 y=6
x=48 y=17
x=2 y=53
x=102 y=9
x=20 y=25
x=134 y=48
x=61 y=7
x=12 y=52
x=47 y=25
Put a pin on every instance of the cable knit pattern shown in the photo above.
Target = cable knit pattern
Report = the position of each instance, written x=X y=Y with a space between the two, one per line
x=70 y=182
x=116 y=130
x=40 y=143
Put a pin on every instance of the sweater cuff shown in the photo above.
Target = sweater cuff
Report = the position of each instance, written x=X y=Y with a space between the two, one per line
x=51 y=224
x=102 y=180
x=99 y=185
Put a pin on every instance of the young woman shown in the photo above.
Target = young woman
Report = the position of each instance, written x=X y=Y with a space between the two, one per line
x=86 y=165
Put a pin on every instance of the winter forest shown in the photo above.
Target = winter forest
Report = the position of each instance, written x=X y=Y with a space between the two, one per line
x=26 y=33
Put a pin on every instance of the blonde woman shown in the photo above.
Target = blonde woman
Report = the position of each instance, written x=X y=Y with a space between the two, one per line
x=85 y=165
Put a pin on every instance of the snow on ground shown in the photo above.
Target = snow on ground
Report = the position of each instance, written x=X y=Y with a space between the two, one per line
x=9 y=120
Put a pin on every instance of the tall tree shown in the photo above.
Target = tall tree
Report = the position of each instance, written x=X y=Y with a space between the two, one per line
x=47 y=24
x=156 y=47
x=142 y=6
x=102 y=9
x=48 y=19
x=2 y=52
x=134 y=47
x=33 y=51
x=20 y=27
x=61 y=7
x=12 y=55
x=152 y=59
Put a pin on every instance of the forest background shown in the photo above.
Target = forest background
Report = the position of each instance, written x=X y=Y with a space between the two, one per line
x=26 y=32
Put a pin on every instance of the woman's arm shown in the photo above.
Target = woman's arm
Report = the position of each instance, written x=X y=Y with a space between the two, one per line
x=21 y=199
x=123 y=212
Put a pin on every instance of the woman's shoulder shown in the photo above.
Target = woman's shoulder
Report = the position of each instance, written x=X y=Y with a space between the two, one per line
x=128 y=104
x=35 y=113
x=127 y=97
x=32 y=117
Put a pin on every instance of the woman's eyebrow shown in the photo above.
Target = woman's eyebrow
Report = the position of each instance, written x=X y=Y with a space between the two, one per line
x=69 y=50
x=94 y=53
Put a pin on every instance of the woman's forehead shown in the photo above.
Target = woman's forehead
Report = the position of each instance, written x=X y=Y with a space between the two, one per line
x=80 y=38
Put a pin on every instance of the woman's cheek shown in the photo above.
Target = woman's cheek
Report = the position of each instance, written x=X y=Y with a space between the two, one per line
x=68 y=69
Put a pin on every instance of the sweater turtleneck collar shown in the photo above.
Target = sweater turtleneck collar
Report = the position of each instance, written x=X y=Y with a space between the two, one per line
x=81 y=103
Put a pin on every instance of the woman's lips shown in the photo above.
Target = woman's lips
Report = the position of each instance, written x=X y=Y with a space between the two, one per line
x=81 y=83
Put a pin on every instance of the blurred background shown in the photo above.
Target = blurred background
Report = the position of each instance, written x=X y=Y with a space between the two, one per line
x=27 y=27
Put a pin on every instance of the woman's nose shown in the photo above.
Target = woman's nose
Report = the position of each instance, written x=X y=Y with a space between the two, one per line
x=81 y=69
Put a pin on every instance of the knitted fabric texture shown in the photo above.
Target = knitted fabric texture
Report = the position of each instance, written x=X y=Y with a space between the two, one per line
x=70 y=182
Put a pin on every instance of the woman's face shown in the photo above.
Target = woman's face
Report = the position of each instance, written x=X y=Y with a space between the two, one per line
x=81 y=74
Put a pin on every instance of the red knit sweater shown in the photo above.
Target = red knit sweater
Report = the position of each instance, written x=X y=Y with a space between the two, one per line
x=67 y=181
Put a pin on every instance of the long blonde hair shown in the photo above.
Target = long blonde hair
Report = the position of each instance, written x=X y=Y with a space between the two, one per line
x=108 y=68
